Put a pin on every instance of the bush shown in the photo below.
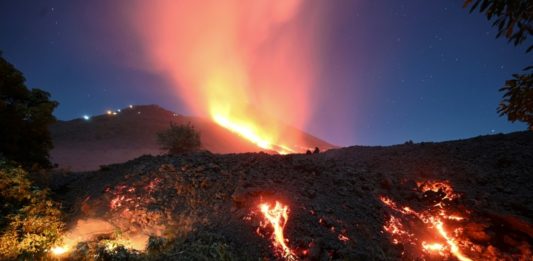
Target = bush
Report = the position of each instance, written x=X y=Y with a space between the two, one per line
x=179 y=139
x=30 y=223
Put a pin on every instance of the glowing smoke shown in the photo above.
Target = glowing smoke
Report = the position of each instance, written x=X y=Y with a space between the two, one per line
x=230 y=60
x=90 y=229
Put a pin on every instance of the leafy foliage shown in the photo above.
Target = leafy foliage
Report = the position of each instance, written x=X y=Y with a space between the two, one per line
x=25 y=116
x=513 y=18
x=30 y=223
x=514 y=21
x=517 y=102
x=179 y=139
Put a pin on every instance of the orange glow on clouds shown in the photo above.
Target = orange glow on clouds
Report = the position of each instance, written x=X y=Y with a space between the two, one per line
x=231 y=59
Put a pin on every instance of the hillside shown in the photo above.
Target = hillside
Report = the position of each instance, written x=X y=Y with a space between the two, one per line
x=467 y=199
x=82 y=145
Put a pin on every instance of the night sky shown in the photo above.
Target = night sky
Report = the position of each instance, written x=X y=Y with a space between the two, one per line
x=389 y=71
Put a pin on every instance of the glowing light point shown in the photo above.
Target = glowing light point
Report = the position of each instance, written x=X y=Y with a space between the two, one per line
x=433 y=246
x=109 y=112
x=86 y=117
x=58 y=250
x=130 y=106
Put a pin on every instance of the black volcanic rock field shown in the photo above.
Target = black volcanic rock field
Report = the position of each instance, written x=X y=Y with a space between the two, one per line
x=204 y=206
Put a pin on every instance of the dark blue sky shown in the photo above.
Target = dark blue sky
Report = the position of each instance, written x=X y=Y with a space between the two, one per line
x=390 y=71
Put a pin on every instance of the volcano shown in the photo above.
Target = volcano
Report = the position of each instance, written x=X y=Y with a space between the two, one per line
x=115 y=137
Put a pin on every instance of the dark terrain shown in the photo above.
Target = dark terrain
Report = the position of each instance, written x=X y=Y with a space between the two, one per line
x=205 y=206
x=81 y=145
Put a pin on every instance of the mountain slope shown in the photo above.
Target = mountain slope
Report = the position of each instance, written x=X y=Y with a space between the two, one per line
x=206 y=205
x=86 y=144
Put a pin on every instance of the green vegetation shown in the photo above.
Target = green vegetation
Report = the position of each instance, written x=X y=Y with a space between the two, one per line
x=514 y=21
x=25 y=116
x=179 y=139
x=30 y=223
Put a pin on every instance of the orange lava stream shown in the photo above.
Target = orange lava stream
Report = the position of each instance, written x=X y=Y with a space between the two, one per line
x=394 y=227
x=277 y=217
x=451 y=242
x=251 y=132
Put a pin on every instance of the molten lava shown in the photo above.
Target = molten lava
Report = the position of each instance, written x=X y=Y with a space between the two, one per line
x=277 y=217
x=252 y=132
x=438 y=186
x=442 y=241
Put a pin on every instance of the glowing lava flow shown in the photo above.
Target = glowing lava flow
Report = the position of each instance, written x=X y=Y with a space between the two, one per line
x=433 y=218
x=451 y=242
x=277 y=217
x=252 y=133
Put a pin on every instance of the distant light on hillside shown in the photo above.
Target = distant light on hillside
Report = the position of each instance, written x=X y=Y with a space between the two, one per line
x=131 y=106
x=109 y=112
x=86 y=117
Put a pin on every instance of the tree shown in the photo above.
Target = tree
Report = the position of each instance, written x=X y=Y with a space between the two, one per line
x=24 y=119
x=179 y=138
x=514 y=21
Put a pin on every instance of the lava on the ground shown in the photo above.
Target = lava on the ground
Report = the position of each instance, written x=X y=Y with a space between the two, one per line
x=433 y=201
x=437 y=228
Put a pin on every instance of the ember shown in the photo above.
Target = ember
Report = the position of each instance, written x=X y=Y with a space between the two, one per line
x=343 y=238
x=438 y=187
x=277 y=217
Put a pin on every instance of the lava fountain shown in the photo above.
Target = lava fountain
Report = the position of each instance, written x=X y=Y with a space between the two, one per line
x=248 y=65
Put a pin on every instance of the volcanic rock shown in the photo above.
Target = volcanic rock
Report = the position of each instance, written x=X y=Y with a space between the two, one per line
x=206 y=201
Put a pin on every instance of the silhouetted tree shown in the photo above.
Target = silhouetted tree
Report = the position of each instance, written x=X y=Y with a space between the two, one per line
x=514 y=21
x=24 y=119
x=179 y=138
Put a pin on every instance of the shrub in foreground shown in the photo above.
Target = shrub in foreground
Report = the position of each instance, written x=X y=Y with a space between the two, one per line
x=179 y=139
x=30 y=223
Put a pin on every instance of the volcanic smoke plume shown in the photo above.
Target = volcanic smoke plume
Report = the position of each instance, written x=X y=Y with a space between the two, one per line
x=242 y=63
